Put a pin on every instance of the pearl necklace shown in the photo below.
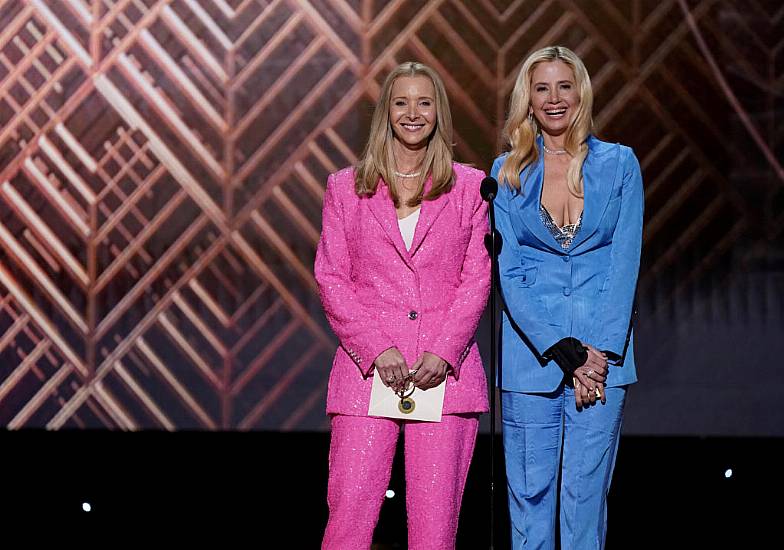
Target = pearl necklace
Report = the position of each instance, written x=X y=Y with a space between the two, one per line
x=554 y=152
x=413 y=175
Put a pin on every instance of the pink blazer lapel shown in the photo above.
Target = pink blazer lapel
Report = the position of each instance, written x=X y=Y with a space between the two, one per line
x=427 y=216
x=384 y=211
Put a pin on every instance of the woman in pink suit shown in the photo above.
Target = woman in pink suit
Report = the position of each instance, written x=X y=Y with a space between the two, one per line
x=404 y=278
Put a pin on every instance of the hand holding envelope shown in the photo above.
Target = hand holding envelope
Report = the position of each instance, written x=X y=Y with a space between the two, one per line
x=412 y=403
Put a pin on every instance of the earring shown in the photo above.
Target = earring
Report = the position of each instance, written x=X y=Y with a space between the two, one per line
x=530 y=117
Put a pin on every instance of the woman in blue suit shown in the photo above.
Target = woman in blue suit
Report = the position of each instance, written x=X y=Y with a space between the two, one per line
x=570 y=212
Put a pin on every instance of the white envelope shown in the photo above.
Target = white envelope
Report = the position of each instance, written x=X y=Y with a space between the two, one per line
x=427 y=404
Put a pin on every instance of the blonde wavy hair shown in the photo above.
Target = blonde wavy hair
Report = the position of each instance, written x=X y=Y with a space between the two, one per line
x=378 y=159
x=520 y=130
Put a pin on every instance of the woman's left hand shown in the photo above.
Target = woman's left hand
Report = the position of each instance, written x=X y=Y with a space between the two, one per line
x=589 y=378
x=431 y=371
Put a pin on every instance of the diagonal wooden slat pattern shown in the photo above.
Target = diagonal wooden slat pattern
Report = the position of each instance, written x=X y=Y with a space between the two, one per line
x=162 y=165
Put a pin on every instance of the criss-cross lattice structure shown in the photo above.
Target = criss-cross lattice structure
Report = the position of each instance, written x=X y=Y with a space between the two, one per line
x=162 y=166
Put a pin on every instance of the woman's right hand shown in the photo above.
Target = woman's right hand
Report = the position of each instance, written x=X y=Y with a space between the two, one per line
x=589 y=378
x=391 y=367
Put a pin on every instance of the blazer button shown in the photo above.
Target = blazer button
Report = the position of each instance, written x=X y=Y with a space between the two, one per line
x=567 y=291
x=567 y=259
x=412 y=315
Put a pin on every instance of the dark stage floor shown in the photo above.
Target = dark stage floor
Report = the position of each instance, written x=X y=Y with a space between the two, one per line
x=250 y=489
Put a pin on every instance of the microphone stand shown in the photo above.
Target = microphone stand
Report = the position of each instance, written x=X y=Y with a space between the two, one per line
x=493 y=243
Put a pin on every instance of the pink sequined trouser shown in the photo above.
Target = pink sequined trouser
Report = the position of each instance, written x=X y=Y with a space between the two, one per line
x=437 y=456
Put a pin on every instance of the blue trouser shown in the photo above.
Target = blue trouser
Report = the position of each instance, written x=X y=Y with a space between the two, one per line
x=534 y=427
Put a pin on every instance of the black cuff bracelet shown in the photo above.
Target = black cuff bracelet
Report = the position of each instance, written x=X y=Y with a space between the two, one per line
x=569 y=353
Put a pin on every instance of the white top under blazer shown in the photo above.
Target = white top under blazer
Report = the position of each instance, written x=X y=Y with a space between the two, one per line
x=408 y=226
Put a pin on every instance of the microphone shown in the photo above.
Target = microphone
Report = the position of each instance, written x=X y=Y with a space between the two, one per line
x=489 y=188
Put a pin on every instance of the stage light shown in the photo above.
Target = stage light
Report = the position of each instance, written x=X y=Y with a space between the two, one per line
x=728 y=473
x=86 y=506
x=390 y=493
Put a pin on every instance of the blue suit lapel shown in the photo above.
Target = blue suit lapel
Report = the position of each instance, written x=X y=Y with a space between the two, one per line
x=601 y=169
x=529 y=199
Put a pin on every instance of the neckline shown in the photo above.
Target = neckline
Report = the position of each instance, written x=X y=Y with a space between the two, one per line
x=411 y=214
x=543 y=207
x=561 y=227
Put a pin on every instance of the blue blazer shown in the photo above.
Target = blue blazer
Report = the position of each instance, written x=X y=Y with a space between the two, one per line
x=586 y=291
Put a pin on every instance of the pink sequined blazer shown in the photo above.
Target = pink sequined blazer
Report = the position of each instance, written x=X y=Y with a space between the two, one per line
x=376 y=294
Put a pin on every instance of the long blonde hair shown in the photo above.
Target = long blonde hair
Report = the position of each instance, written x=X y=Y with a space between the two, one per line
x=378 y=160
x=521 y=130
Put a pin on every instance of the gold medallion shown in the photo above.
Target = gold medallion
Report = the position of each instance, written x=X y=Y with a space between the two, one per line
x=406 y=405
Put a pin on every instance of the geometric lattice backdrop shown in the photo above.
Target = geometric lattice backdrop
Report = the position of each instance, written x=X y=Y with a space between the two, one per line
x=162 y=166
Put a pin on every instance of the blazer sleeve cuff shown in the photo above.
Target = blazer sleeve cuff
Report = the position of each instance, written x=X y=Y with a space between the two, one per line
x=453 y=358
x=544 y=341
x=365 y=358
x=613 y=350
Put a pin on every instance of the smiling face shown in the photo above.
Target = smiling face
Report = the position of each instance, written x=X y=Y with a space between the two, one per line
x=554 y=96
x=412 y=111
